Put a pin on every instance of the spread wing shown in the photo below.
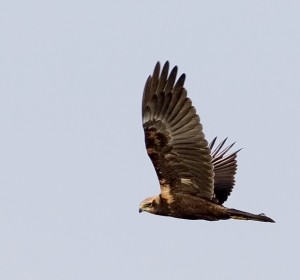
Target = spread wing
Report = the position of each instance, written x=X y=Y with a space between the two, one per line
x=225 y=167
x=173 y=134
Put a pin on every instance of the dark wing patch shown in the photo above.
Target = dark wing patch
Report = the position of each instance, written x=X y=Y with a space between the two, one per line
x=225 y=167
x=173 y=135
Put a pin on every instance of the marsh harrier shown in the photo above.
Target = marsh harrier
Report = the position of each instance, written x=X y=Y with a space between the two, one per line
x=195 y=177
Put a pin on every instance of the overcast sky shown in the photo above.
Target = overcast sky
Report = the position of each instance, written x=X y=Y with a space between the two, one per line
x=73 y=165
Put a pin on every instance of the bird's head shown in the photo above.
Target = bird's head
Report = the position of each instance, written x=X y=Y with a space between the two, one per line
x=149 y=205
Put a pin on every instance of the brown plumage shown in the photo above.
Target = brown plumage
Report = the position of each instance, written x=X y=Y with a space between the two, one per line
x=195 y=178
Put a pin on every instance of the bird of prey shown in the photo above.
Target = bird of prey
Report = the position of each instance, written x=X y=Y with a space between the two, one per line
x=195 y=177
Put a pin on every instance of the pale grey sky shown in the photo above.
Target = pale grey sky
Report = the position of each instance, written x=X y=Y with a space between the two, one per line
x=73 y=166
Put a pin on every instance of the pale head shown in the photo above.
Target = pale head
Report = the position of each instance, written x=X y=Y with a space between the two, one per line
x=149 y=205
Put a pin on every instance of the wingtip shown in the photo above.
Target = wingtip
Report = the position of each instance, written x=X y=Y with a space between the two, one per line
x=156 y=68
x=167 y=63
x=212 y=143
x=165 y=66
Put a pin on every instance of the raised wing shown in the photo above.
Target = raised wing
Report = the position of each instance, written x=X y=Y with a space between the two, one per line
x=225 y=167
x=173 y=135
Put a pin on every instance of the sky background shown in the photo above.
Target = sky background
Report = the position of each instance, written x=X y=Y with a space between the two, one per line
x=73 y=165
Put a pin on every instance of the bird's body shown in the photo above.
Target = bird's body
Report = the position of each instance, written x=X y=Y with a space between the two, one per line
x=186 y=206
x=195 y=178
x=190 y=207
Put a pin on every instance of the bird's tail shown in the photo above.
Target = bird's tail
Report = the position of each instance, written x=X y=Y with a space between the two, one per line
x=240 y=215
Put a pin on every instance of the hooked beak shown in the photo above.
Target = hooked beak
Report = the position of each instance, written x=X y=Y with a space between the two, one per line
x=140 y=210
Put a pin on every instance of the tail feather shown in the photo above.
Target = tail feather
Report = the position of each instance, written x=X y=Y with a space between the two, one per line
x=241 y=215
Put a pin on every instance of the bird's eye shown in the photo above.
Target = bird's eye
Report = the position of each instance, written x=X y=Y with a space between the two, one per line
x=149 y=204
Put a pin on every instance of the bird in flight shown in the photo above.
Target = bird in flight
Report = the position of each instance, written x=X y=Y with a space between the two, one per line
x=195 y=177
